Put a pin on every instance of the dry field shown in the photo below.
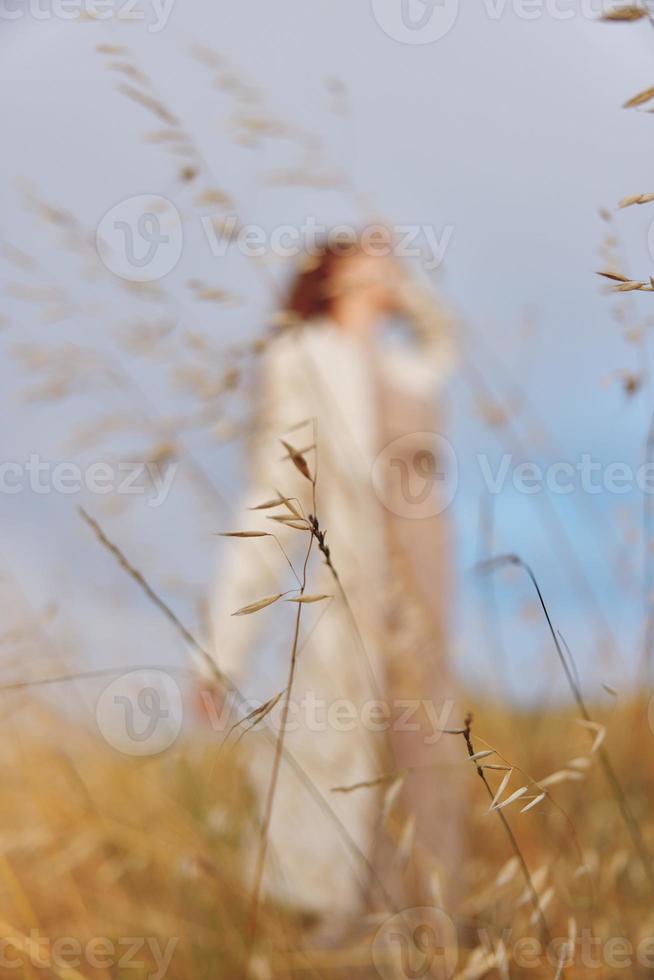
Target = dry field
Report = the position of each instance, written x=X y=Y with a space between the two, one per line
x=117 y=866
x=97 y=848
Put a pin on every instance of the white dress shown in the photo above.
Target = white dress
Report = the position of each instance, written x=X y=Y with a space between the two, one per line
x=318 y=378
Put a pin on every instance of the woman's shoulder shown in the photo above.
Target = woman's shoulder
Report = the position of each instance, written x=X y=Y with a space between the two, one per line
x=317 y=339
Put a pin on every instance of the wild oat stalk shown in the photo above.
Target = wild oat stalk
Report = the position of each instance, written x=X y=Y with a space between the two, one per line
x=255 y=900
x=614 y=783
x=467 y=734
x=229 y=687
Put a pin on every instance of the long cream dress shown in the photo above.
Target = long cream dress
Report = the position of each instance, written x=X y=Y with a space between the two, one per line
x=365 y=660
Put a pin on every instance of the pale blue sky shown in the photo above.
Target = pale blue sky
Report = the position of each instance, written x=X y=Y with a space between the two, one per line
x=509 y=130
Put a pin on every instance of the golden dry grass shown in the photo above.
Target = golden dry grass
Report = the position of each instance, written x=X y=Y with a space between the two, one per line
x=95 y=844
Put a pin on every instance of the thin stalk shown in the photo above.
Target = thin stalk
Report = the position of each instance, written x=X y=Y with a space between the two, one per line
x=467 y=734
x=229 y=687
x=255 y=900
x=611 y=776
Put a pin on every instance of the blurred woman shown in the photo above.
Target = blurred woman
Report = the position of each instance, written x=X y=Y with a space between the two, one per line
x=373 y=686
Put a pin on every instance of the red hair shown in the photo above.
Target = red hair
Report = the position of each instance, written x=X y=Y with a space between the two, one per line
x=311 y=294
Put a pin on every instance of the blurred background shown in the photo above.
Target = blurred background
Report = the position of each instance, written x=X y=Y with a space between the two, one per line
x=505 y=142
x=505 y=136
